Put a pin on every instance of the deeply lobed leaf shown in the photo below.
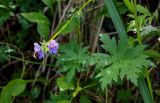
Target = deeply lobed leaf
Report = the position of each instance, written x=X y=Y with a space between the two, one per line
x=123 y=61
x=73 y=59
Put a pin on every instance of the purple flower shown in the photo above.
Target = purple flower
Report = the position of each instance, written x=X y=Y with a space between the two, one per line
x=53 y=47
x=38 y=51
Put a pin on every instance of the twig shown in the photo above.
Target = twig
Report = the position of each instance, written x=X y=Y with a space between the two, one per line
x=96 y=97
x=97 y=35
x=31 y=62
x=5 y=66
x=62 y=17
x=53 y=23
x=96 y=7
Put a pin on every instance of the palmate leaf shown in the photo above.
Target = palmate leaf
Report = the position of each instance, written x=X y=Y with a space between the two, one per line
x=100 y=59
x=109 y=74
x=72 y=59
x=122 y=34
x=124 y=61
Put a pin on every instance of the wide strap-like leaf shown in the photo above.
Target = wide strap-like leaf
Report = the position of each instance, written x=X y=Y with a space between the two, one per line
x=144 y=91
x=113 y=12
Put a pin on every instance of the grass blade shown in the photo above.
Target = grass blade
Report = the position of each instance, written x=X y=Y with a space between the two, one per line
x=123 y=36
x=144 y=91
x=113 y=12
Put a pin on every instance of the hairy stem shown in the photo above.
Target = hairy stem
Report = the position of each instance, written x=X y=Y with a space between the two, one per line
x=137 y=24
x=66 y=25
x=140 y=42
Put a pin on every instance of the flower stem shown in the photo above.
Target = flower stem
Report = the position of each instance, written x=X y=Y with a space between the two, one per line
x=137 y=24
x=140 y=42
x=66 y=25
x=149 y=83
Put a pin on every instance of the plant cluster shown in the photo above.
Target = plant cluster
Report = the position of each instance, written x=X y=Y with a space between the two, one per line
x=59 y=51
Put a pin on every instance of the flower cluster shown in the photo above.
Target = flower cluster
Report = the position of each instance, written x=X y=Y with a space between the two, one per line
x=53 y=47
x=39 y=51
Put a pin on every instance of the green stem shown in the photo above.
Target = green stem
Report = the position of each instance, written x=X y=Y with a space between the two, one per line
x=149 y=83
x=56 y=34
x=59 y=8
x=51 y=8
x=106 y=95
x=39 y=71
x=137 y=24
x=84 y=5
x=140 y=42
x=23 y=70
x=71 y=99
x=27 y=61
x=88 y=86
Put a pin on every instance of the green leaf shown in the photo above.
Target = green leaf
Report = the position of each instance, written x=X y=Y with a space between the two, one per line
x=4 y=15
x=109 y=44
x=152 y=53
x=71 y=72
x=108 y=75
x=126 y=56
x=124 y=96
x=155 y=14
x=35 y=92
x=116 y=19
x=61 y=97
x=23 y=22
x=42 y=22
x=63 y=84
x=48 y=2
x=144 y=17
x=13 y=88
x=130 y=5
x=4 y=7
x=4 y=50
x=144 y=91
x=63 y=101
x=4 y=57
x=73 y=59
x=84 y=99
x=100 y=59
x=143 y=10
x=43 y=29
x=148 y=30
x=121 y=58
x=157 y=92
x=35 y=17
x=121 y=8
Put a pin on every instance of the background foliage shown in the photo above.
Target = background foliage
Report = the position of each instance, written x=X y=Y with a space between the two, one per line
x=109 y=51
